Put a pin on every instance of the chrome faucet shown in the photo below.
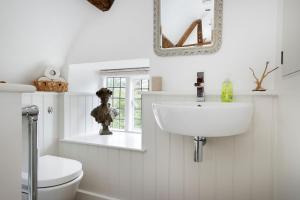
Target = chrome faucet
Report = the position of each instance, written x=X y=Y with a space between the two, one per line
x=200 y=87
x=199 y=142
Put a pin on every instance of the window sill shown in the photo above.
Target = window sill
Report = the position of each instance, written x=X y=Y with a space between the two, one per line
x=119 y=140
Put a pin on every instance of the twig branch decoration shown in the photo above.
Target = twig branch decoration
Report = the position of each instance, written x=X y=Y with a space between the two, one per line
x=264 y=75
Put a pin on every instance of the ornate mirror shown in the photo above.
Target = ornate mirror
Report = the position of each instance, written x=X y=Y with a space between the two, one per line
x=187 y=27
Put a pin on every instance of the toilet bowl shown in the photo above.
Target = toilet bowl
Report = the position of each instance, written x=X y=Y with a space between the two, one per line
x=58 y=178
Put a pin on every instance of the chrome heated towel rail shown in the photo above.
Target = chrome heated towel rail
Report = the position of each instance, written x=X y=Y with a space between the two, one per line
x=31 y=114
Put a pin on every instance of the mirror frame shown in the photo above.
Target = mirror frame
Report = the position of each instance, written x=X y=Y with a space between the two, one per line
x=217 y=34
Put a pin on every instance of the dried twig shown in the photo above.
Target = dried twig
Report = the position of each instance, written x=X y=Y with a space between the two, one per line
x=264 y=75
x=253 y=73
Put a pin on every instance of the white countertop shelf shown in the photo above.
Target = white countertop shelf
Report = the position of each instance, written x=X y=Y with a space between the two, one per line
x=16 y=88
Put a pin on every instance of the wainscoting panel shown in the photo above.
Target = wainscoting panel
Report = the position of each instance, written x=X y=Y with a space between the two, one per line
x=47 y=121
x=77 y=114
x=234 y=168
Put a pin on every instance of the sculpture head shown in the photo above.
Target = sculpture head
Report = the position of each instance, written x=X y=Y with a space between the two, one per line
x=104 y=94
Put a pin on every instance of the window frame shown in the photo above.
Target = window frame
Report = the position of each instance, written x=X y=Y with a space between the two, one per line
x=129 y=100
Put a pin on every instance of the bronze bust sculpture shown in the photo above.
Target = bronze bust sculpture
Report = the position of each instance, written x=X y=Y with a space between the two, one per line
x=104 y=114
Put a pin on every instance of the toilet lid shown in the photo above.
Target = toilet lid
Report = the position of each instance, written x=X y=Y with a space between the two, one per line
x=53 y=171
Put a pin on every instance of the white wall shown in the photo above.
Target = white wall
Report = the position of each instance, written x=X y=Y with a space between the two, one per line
x=125 y=32
x=239 y=167
x=10 y=145
x=288 y=140
x=37 y=33
x=86 y=77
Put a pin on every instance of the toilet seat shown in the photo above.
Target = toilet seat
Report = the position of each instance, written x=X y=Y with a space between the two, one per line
x=53 y=171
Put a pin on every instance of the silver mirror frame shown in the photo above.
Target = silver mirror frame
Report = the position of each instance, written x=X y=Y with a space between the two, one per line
x=217 y=35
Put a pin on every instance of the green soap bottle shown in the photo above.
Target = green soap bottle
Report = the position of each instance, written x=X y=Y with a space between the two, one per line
x=227 y=91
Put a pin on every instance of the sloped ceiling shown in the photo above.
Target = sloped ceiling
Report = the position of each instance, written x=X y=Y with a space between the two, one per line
x=37 y=33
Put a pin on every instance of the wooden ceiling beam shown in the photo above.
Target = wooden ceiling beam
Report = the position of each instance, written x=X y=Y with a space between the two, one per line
x=103 y=5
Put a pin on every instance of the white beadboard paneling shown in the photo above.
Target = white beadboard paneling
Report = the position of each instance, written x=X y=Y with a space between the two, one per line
x=47 y=123
x=50 y=125
x=73 y=115
x=113 y=172
x=149 y=142
x=177 y=172
x=137 y=178
x=38 y=100
x=88 y=118
x=26 y=99
x=81 y=115
x=125 y=175
x=162 y=164
x=224 y=168
x=65 y=128
x=103 y=187
x=207 y=171
x=192 y=171
x=233 y=168
x=262 y=149
x=96 y=102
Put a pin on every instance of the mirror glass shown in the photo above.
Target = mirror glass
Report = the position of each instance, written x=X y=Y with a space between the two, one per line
x=187 y=26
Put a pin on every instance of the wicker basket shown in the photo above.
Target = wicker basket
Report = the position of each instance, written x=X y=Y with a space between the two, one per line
x=51 y=86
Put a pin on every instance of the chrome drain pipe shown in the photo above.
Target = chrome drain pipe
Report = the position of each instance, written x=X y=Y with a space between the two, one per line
x=199 y=142
x=31 y=113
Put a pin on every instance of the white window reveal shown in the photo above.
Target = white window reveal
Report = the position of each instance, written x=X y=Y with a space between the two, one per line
x=127 y=86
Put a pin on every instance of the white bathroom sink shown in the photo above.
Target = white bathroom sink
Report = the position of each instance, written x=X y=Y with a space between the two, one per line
x=205 y=119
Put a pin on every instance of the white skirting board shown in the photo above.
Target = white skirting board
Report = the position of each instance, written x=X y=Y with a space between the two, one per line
x=86 y=195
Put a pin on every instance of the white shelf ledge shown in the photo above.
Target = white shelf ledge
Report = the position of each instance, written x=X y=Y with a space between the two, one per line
x=212 y=93
x=119 y=140
x=16 y=88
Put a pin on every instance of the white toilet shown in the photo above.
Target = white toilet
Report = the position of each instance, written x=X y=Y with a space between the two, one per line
x=58 y=178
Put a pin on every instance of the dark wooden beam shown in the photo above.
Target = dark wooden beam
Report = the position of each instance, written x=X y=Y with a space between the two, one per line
x=197 y=23
x=103 y=5
x=166 y=43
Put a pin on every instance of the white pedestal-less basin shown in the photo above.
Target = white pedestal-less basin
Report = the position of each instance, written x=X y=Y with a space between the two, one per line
x=205 y=119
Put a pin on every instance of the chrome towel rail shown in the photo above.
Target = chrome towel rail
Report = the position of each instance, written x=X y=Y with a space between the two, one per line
x=31 y=113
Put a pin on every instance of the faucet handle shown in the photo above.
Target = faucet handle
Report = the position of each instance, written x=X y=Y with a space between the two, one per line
x=199 y=85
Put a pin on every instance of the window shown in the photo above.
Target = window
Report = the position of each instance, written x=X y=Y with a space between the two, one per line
x=118 y=86
x=140 y=85
x=128 y=100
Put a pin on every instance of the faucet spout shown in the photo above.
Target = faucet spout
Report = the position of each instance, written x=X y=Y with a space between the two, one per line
x=200 y=86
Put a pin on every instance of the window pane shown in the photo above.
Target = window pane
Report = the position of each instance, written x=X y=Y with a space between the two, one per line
x=139 y=86
x=137 y=93
x=117 y=82
x=138 y=114
x=123 y=82
x=145 y=84
x=122 y=104
x=122 y=114
x=116 y=93
x=123 y=93
x=122 y=124
x=116 y=103
x=109 y=82
x=118 y=99
x=137 y=104
x=137 y=123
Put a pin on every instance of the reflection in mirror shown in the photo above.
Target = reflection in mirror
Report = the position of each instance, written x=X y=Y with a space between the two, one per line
x=186 y=23
x=184 y=27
